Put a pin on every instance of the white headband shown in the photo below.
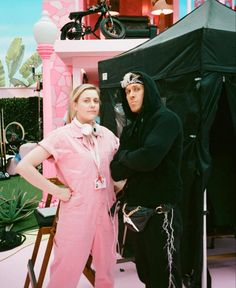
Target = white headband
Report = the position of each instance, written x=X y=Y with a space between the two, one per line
x=130 y=78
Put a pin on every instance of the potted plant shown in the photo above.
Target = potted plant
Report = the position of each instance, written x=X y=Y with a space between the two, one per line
x=13 y=209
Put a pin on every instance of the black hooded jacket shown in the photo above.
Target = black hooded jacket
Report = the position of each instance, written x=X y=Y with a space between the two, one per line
x=150 y=151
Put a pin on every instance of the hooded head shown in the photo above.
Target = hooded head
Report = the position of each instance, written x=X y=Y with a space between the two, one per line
x=151 y=100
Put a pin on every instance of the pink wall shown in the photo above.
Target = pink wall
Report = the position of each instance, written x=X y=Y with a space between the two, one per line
x=18 y=92
x=61 y=74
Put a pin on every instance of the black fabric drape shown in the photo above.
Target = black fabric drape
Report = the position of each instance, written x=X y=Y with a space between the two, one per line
x=222 y=184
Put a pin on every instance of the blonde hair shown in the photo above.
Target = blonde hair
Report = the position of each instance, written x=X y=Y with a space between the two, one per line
x=75 y=96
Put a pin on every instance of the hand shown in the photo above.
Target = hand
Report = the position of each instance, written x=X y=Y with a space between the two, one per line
x=63 y=194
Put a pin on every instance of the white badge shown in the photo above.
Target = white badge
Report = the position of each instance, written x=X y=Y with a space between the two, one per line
x=100 y=183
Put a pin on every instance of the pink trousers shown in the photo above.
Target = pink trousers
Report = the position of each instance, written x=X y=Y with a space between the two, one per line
x=82 y=231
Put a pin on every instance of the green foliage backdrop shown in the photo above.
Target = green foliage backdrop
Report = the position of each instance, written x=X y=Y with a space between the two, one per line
x=26 y=112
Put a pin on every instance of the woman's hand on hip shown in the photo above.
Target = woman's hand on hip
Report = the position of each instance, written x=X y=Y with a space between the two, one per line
x=63 y=194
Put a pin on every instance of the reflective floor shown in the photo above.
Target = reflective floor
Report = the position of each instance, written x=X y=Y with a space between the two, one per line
x=222 y=262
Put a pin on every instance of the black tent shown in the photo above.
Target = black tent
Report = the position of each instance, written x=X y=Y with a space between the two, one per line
x=194 y=66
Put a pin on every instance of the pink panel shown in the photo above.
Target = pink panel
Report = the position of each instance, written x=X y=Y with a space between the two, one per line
x=176 y=10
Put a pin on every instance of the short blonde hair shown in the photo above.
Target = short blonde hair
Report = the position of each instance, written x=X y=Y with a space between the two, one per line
x=75 y=96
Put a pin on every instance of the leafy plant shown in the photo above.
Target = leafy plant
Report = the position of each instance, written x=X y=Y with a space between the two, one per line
x=14 y=58
x=15 y=208
x=2 y=77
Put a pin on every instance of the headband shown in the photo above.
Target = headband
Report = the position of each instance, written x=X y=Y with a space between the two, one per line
x=130 y=78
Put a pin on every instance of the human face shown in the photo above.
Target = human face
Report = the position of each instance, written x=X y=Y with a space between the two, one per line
x=134 y=95
x=87 y=106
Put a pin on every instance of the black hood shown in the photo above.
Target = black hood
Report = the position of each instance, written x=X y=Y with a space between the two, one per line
x=151 y=101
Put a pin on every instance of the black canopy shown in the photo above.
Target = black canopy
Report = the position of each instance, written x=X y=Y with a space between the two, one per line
x=194 y=66
x=204 y=40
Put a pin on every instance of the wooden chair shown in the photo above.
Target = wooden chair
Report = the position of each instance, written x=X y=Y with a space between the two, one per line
x=48 y=227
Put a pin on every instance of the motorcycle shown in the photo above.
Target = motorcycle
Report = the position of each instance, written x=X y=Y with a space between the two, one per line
x=110 y=27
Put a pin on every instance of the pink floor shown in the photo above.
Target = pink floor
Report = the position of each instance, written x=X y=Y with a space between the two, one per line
x=13 y=267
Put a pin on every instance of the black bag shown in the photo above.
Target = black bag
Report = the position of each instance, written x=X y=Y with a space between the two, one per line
x=136 y=218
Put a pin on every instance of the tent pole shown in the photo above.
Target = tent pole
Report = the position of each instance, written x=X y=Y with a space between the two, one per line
x=204 y=266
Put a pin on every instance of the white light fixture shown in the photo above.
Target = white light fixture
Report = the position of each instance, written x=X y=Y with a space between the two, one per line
x=45 y=31
x=161 y=7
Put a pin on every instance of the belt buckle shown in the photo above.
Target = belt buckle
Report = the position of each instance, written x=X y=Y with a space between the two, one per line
x=162 y=209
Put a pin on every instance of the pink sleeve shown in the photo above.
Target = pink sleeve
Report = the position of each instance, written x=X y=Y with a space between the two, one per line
x=52 y=143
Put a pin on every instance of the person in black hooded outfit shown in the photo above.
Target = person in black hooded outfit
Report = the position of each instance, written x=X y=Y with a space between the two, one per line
x=149 y=157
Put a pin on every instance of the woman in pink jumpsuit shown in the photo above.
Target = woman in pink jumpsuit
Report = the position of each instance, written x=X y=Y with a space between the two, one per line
x=82 y=151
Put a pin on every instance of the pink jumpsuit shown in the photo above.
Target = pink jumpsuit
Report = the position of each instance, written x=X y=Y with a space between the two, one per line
x=84 y=226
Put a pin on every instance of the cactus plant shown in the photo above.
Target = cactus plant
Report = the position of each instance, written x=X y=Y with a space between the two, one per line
x=15 y=208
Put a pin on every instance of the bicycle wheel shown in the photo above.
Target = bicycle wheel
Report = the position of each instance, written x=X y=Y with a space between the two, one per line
x=71 y=31
x=14 y=133
x=112 y=29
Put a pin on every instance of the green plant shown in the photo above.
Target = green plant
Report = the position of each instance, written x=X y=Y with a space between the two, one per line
x=13 y=59
x=21 y=110
x=2 y=76
x=15 y=208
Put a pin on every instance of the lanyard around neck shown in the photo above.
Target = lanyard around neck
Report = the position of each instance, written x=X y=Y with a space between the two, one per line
x=94 y=151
